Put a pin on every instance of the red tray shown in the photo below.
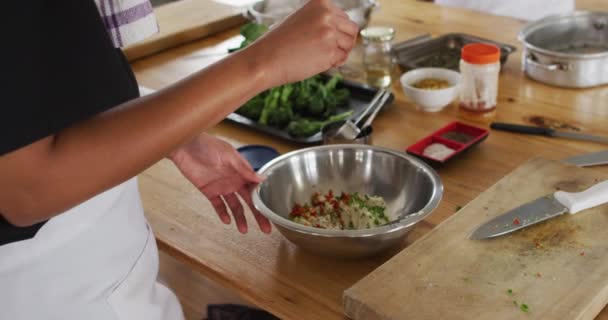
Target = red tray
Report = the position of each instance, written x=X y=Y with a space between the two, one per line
x=456 y=135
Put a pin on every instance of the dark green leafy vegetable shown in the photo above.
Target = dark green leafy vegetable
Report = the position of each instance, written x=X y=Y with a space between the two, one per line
x=524 y=307
x=303 y=94
x=251 y=32
x=303 y=107
x=271 y=104
x=341 y=96
x=306 y=127
x=253 y=108
x=316 y=101
x=283 y=114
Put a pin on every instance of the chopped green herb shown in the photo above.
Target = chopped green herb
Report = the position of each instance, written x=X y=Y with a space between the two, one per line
x=524 y=307
x=510 y=291
x=467 y=280
x=515 y=302
x=458 y=208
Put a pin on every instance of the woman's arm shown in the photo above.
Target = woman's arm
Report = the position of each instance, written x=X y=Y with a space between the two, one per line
x=53 y=174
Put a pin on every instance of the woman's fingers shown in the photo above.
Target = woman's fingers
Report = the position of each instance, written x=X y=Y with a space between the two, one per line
x=347 y=26
x=237 y=211
x=220 y=208
x=345 y=43
x=263 y=223
x=243 y=168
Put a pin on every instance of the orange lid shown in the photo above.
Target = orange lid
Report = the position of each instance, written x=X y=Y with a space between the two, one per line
x=480 y=53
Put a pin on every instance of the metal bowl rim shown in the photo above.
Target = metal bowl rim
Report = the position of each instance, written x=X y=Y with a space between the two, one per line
x=396 y=225
x=369 y=4
x=531 y=27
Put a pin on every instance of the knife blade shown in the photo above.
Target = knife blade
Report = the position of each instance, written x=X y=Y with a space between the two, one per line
x=589 y=159
x=546 y=132
x=542 y=209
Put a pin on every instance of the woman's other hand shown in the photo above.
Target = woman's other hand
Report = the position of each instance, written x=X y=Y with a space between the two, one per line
x=220 y=173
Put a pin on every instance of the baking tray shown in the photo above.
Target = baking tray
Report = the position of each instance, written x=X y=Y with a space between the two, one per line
x=424 y=51
x=360 y=96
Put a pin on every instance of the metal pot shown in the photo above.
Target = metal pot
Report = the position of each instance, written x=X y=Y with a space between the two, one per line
x=269 y=12
x=568 y=50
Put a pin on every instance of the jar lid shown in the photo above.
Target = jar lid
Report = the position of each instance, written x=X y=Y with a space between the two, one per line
x=378 y=33
x=480 y=53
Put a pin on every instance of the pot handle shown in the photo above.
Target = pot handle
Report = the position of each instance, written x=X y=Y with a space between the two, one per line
x=549 y=67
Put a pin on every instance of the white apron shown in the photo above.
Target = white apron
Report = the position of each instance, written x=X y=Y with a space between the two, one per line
x=96 y=261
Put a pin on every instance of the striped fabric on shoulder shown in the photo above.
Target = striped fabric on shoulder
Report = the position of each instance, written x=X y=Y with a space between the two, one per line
x=127 y=21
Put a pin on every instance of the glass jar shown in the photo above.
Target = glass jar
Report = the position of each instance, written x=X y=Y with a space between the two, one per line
x=479 y=69
x=377 y=57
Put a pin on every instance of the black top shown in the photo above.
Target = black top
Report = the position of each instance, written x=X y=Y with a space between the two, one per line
x=59 y=67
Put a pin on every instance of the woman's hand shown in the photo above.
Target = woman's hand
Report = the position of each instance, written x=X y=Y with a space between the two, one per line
x=220 y=173
x=313 y=39
x=56 y=170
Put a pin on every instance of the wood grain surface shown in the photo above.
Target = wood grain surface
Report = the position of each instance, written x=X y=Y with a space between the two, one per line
x=184 y=21
x=558 y=268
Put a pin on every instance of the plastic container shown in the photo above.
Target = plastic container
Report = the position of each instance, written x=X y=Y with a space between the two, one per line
x=479 y=69
x=377 y=57
x=258 y=155
x=456 y=136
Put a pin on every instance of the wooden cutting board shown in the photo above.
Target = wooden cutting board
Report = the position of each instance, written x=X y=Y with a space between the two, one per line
x=185 y=21
x=559 y=268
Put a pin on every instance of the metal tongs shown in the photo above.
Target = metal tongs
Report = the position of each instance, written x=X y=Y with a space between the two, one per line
x=351 y=130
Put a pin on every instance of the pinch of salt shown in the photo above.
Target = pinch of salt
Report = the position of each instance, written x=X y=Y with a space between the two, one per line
x=438 y=151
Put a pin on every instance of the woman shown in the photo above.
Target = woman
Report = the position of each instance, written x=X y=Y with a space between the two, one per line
x=74 y=243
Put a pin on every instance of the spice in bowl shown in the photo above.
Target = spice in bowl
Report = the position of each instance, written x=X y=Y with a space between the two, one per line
x=458 y=136
x=438 y=151
x=432 y=84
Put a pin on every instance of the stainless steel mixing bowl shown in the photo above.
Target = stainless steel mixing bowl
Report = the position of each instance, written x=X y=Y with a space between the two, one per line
x=271 y=11
x=411 y=189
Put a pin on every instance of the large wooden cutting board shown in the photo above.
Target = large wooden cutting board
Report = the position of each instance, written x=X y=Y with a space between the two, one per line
x=558 y=268
x=184 y=21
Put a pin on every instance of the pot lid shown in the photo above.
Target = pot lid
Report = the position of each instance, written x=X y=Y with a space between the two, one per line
x=580 y=34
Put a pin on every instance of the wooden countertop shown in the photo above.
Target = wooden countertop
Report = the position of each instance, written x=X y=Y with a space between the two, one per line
x=271 y=272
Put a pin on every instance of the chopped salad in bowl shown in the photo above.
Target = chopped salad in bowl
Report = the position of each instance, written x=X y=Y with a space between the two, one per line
x=344 y=212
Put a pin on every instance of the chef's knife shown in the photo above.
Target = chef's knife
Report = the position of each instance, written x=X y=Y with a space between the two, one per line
x=546 y=132
x=589 y=159
x=542 y=209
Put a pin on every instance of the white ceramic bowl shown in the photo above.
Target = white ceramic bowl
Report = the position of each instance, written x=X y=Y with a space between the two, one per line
x=431 y=100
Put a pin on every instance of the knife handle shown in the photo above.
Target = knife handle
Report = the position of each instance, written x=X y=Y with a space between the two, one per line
x=579 y=201
x=521 y=128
